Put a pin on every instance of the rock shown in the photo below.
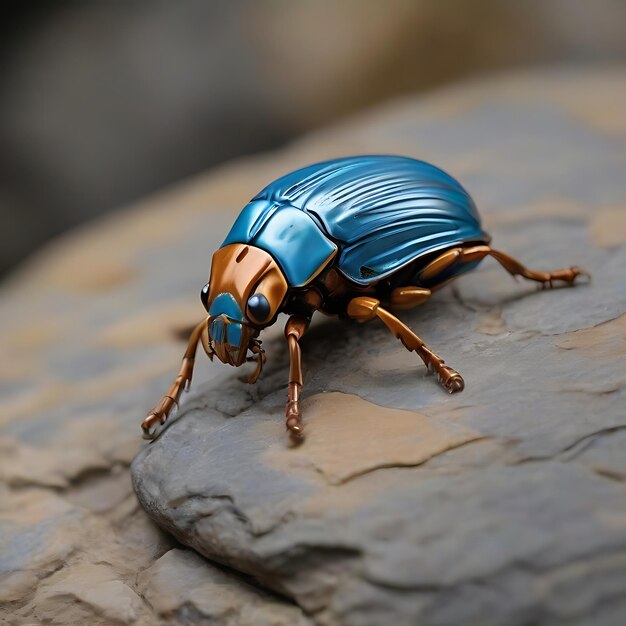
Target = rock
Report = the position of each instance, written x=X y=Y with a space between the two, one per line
x=87 y=593
x=501 y=505
x=404 y=505
x=180 y=585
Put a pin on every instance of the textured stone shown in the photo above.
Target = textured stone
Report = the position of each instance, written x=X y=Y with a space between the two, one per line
x=501 y=505
x=86 y=593
x=180 y=585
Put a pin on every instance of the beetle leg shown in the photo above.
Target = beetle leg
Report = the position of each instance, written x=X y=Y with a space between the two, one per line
x=440 y=264
x=566 y=275
x=475 y=253
x=259 y=359
x=365 y=308
x=408 y=297
x=294 y=329
x=161 y=411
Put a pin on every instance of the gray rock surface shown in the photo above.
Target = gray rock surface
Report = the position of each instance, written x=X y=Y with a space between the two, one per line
x=501 y=505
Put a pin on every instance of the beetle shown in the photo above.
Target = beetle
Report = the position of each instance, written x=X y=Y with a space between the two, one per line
x=354 y=237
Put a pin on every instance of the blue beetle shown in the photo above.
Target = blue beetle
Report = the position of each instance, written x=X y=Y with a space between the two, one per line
x=355 y=237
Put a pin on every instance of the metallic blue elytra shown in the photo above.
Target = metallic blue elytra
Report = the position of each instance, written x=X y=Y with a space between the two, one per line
x=380 y=213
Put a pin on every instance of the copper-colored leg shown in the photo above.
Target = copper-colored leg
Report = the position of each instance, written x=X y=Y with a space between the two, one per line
x=294 y=329
x=408 y=297
x=365 y=308
x=161 y=411
x=475 y=253
x=259 y=359
x=566 y=275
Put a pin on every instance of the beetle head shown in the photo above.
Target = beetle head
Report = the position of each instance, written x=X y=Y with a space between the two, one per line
x=243 y=296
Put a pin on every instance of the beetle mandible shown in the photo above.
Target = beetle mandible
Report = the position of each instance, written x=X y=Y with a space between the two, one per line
x=355 y=237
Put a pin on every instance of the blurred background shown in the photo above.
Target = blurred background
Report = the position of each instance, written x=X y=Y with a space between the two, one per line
x=102 y=102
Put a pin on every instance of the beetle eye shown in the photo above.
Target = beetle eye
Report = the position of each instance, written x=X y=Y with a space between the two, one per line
x=258 y=307
x=204 y=296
